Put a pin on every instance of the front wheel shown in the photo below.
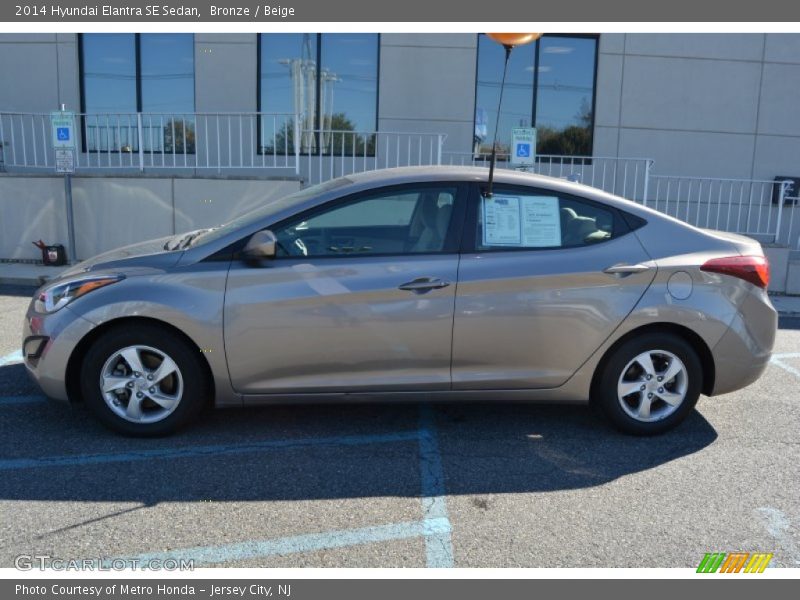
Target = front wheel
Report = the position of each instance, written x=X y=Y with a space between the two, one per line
x=650 y=383
x=143 y=380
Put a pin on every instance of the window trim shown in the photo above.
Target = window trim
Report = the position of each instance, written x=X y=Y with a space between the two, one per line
x=453 y=240
x=534 y=107
x=138 y=70
x=469 y=243
x=348 y=153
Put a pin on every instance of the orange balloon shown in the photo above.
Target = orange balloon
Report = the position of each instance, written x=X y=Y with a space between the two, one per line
x=514 y=39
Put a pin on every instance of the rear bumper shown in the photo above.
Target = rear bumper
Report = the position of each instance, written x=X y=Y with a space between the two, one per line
x=743 y=353
x=48 y=343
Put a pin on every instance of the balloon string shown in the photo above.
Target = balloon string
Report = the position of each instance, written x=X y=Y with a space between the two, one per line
x=497 y=124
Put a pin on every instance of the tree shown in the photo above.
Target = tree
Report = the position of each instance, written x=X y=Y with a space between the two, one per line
x=572 y=140
x=338 y=136
x=182 y=130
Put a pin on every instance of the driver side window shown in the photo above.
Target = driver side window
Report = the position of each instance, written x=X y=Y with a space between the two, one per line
x=404 y=221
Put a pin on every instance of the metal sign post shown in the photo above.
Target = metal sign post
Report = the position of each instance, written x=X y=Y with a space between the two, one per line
x=63 y=136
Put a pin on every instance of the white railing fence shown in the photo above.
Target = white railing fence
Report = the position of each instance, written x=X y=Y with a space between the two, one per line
x=125 y=141
x=626 y=177
x=326 y=154
x=757 y=208
x=256 y=141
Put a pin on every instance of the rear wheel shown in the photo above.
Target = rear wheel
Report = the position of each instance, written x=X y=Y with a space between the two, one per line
x=650 y=383
x=143 y=380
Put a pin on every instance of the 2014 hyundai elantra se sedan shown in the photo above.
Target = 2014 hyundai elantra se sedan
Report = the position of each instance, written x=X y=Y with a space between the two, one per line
x=412 y=284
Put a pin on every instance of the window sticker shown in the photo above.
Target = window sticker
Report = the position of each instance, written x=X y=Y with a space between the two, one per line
x=501 y=221
x=541 y=222
x=526 y=221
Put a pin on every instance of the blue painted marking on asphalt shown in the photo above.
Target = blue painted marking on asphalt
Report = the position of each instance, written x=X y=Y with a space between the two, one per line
x=208 y=450
x=204 y=555
x=12 y=400
x=786 y=355
x=438 y=544
x=11 y=359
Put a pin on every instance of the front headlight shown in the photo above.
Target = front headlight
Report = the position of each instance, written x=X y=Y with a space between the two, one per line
x=59 y=295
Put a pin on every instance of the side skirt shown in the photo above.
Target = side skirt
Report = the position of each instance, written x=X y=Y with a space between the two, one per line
x=549 y=396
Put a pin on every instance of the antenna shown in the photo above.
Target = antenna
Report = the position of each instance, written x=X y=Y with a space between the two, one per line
x=493 y=160
x=508 y=41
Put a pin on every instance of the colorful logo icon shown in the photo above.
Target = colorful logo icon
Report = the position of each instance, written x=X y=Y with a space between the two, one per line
x=734 y=562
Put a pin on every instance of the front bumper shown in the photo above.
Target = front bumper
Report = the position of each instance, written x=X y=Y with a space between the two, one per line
x=48 y=342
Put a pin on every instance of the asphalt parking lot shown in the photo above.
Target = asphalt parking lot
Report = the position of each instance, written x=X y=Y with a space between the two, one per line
x=465 y=485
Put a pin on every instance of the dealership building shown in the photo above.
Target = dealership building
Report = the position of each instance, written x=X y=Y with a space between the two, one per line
x=171 y=132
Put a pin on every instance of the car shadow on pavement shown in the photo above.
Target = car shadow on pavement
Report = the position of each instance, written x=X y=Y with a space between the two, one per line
x=50 y=451
x=789 y=322
x=21 y=291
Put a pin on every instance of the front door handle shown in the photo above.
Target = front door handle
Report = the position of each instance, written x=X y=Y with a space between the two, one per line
x=424 y=284
x=626 y=269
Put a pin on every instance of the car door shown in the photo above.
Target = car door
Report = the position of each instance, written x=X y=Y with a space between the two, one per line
x=360 y=296
x=544 y=279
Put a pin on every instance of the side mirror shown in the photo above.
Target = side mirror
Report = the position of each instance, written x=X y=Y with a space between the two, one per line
x=261 y=245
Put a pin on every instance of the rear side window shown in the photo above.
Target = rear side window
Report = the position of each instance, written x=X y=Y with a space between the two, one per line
x=514 y=220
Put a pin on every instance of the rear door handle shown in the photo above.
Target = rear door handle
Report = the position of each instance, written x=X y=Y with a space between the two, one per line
x=424 y=284
x=626 y=269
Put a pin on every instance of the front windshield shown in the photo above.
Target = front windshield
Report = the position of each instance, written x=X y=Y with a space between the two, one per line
x=268 y=209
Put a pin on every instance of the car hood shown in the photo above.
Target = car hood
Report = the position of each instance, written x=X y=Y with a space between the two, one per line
x=148 y=254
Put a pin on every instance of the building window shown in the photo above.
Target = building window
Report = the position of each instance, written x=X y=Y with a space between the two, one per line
x=125 y=74
x=337 y=103
x=550 y=84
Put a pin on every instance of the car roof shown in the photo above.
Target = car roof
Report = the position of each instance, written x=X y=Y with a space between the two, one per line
x=444 y=172
x=401 y=175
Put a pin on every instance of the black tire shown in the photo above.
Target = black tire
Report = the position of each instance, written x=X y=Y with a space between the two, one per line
x=195 y=381
x=605 y=395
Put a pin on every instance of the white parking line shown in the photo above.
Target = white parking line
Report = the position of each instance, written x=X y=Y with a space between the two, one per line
x=204 y=555
x=435 y=527
x=776 y=360
x=778 y=526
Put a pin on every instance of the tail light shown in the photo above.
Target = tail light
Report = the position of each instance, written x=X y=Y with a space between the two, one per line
x=754 y=269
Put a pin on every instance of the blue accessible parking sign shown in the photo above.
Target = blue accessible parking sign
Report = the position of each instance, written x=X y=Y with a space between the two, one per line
x=62 y=123
x=523 y=147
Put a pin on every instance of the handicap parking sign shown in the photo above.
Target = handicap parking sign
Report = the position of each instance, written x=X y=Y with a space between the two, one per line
x=62 y=123
x=523 y=144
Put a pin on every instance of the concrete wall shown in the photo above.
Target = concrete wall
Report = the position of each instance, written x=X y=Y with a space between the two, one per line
x=225 y=72
x=709 y=105
x=38 y=71
x=117 y=211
